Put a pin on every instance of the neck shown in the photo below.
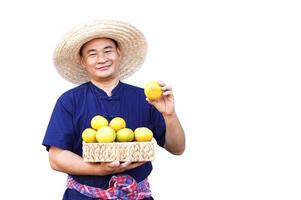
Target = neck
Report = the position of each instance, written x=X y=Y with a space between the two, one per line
x=106 y=85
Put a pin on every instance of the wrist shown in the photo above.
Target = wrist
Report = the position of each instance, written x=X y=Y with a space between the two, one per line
x=169 y=115
x=96 y=169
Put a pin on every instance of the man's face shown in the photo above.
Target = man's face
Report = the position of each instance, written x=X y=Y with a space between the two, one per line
x=101 y=57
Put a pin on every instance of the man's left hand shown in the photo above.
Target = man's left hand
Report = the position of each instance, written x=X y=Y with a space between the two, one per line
x=165 y=104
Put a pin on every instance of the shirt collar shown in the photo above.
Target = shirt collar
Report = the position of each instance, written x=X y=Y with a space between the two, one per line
x=116 y=92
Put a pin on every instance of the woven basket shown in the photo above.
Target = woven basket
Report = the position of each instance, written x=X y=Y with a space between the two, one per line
x=119 y=151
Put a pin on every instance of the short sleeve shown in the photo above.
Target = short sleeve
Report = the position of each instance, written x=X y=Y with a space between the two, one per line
x=158 y=126
x=60 y=130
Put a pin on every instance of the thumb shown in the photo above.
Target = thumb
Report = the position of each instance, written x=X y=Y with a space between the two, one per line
x=114 y=164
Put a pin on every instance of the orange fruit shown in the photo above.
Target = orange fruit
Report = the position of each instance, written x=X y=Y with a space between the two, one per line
x=152 y=90
x=143 y=134
x=117 y=123
x=105 y=134
x=89 y=135
x=98 y=121
x=125 y=135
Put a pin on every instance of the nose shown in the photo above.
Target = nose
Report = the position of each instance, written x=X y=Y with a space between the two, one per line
x=101 y=59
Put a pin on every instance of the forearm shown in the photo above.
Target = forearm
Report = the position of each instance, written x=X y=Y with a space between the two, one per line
x=175 y=136
x=70 y=163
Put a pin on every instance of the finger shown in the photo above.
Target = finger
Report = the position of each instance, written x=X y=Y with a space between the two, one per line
x=166 y=88
x=125 y=164
x=149 y=101
x=161 y=83
x=114 y=164
x=167 y=93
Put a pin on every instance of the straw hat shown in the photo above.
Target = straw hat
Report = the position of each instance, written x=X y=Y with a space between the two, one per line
x=130 y=40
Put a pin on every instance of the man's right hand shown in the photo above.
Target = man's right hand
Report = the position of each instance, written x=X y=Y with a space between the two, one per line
x=118 y=167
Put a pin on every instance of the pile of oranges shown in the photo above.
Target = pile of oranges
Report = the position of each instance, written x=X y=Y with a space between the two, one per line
x=104 y=131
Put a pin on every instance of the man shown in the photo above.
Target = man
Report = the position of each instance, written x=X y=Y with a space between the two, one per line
x=97 y=56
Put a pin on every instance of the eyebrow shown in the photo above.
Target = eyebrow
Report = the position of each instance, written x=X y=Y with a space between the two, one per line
x=108 y=47
x=91 y=50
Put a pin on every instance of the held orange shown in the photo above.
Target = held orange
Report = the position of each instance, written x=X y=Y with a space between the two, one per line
x=153 y=90
x=143 y=134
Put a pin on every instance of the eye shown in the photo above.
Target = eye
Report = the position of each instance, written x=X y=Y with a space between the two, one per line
x=107 y=51
x=92 y=55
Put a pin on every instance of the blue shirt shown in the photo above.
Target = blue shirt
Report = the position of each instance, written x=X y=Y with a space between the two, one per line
x=75 y=108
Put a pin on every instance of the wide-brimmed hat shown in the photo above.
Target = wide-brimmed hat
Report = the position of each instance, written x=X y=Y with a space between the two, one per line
x=130 y=40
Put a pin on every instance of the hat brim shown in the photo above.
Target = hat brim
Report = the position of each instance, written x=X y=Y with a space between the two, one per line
x=130 y=40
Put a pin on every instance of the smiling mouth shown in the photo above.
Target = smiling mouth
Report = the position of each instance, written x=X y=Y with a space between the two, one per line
x=103 y=68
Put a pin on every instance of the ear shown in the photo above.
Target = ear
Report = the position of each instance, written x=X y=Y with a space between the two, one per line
x=119 y=52
x=82 y=62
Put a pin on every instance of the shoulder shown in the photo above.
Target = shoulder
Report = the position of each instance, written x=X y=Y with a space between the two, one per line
x=74 y=93
x=135 y=96
x=133 y=89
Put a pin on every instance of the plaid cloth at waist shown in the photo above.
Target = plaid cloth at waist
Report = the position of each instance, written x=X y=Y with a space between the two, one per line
x=120 y=187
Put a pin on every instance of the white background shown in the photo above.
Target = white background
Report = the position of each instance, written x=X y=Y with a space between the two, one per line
x=235 y=70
